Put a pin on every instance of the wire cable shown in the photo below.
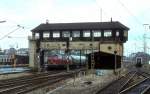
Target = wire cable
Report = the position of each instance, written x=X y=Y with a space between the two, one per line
x=11 y=32
x=129 y=12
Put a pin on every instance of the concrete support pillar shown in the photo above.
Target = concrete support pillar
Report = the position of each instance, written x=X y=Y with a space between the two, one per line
x=32 y=55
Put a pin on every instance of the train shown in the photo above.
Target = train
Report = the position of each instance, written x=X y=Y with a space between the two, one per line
x=59 y=61
x=139 y=62
x=102 y=60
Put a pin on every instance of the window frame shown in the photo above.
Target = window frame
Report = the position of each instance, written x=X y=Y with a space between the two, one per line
x=88 y=33
x=37 y=35
x=117 y=34
x=65 y=32
x=107 y=33
x=97 y=33
x=125 y=33
x=45 y=34
x=56 y=36
x=74 y=33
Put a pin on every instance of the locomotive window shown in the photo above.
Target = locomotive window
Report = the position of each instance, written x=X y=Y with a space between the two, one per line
x=96 y=33
x=37 y=35
x=46 y=35
x=75 y=33
x=86 y=33
x=107 y=33
x=65 y=34
x=56 y=34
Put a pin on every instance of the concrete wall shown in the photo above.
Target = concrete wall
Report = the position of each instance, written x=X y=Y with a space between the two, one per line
x=105 y=47
x=32 y=54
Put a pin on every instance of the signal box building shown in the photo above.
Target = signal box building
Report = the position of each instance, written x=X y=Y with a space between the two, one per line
x=105 y=38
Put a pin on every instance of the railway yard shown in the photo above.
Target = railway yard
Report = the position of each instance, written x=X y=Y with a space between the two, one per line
x=135 y=81
x=87 y=58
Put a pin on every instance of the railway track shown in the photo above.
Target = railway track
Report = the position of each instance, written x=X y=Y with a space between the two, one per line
x=125 y=82
x=146 y=91
x=28 y=76
x=115 y=86
x=139 y=88
x=136 y=78
x=26 y=84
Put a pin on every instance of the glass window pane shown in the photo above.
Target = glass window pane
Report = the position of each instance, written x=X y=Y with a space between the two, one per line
x=75 y=33
x=125 y=33
x=37 y=35
x=86 y=33
x=96 y=33
x=46 y=35
x=117 y=33
x=56 y=34
x=107 y=33
x=65 y=34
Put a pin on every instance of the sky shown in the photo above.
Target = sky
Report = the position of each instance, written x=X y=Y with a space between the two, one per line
x=22 y=16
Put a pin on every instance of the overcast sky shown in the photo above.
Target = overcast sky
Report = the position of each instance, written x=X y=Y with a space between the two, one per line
x=31 y=13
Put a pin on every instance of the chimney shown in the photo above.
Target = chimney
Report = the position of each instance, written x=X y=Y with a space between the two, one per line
x=111 y=20
x=47 y=21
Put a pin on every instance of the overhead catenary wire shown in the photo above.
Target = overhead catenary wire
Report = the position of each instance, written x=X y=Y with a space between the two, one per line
x=145 y=46
x=5 y=36
x=8 y=20
x=129 y=12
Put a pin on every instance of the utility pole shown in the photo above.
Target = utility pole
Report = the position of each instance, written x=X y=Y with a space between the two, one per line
x=144 y=38
x=92 y=54
x=145 y=44
x=101 y=15
x=146 y=27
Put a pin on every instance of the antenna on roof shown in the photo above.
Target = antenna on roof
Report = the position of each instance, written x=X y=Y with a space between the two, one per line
x=101 y=14
x=47 y=21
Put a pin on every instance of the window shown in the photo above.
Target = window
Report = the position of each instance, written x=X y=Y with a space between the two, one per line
x=96 y=33
x=117 y=33
x=46 y=35
x=86 y=33
x=65 y=34
x=56 y=34
x=37 y=35
x=75 y=33
x=125 y=33
x=107 y=33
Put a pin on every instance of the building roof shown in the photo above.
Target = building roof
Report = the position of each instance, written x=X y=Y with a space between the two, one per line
x=80 y=26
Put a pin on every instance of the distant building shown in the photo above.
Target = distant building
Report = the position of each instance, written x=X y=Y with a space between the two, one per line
x=22 y=51
x=10 y=51
x=5 y=59
x=8 y=55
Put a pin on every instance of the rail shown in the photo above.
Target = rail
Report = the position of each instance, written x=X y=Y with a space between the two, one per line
x=29 y=83
x=137 y=88
x=125 y=83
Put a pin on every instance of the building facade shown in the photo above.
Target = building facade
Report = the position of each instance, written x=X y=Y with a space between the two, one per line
x=96 y=36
